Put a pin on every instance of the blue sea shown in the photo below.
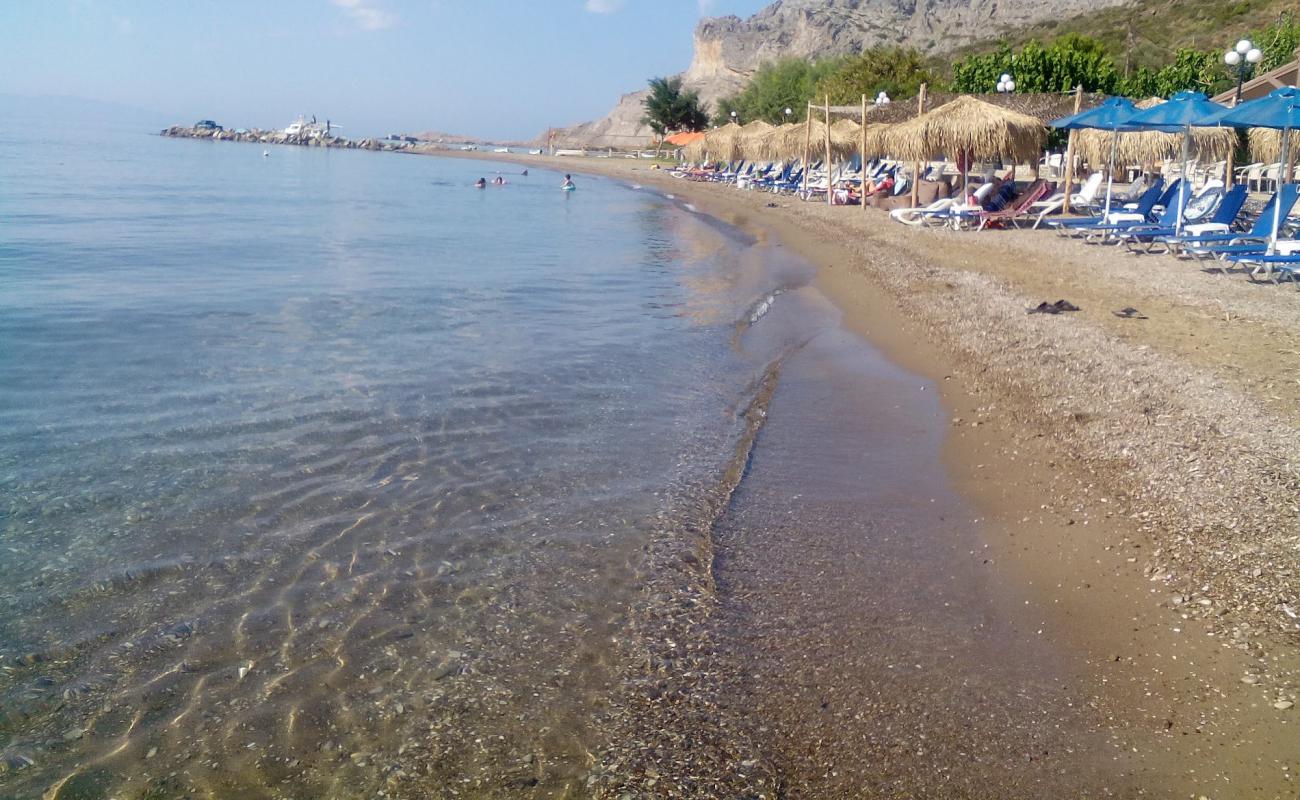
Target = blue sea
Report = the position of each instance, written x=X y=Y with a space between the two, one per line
x=325 y=474
x=324 y=469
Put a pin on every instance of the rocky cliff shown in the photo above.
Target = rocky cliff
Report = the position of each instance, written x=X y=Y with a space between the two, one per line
x=729 y=49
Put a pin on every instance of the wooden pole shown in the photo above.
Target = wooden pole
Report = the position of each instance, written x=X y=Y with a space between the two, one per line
x=1069 y=153
x=1227 y=167
x=862 y=156
x=807 y=147
x=916 y=165
x=829 y=197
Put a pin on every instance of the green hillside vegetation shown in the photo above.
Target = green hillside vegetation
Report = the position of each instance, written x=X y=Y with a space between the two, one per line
x=1057 y=62
x=1148 y=33
x=788 y=83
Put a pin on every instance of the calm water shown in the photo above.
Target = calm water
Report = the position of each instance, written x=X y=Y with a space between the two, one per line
x=326 y=474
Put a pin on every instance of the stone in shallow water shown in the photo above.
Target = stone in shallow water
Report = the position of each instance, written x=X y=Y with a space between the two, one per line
x=12 y=762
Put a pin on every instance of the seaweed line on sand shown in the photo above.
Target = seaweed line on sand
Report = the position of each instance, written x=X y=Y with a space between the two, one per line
x=668 y=732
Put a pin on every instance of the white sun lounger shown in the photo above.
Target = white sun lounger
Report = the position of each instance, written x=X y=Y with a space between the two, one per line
x=1086 y=197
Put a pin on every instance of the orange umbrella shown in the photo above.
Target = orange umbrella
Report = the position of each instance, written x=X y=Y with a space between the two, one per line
x=684 y=138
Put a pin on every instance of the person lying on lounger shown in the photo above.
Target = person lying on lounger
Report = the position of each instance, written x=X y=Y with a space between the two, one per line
x=882 y=187
x=845 y=194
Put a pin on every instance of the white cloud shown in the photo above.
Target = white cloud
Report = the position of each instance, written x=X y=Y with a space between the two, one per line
x=366 y=15
x=603 y=6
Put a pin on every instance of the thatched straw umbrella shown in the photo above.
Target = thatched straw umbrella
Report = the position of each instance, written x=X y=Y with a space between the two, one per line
x=723 y=143
x=1045 y=106
x=696 y=151
x=971 y=126
x=719 y=144
x=879 y=141
x=767 y=145
x=1265 y=144
x=791 y=143
x=1148 y=147
x=751 y=140
x=846 y=138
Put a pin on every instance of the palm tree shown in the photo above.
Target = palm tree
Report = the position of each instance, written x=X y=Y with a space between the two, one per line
x=670 y=108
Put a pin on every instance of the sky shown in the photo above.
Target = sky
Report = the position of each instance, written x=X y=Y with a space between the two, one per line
x=504 y=69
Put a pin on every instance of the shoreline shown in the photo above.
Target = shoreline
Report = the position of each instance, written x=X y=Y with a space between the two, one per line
x=1131 y=478
x=1117 y=557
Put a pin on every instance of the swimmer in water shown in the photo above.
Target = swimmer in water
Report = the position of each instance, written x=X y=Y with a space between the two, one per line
x=499 y=181
x=481 y=183
x=524 y=173
x=568 y=183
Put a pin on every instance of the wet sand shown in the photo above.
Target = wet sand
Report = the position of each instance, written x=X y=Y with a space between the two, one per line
x=1130 y=480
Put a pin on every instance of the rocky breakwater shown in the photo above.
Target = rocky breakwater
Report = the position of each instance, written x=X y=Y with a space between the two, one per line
x=280 y=137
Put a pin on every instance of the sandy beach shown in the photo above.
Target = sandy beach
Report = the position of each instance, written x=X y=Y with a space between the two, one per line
x=571 y=462
x=1135 y=477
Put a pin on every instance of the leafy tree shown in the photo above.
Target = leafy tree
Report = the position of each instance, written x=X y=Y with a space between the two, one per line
x=897 y=71
x=776 y=86
x=1278 y=42
x=1191 y=70
x=670 y=108
x=979 y=73
x=1068 y=61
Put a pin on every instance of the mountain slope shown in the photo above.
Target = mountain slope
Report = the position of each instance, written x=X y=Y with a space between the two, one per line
x=1145 y=33
x=729 y=49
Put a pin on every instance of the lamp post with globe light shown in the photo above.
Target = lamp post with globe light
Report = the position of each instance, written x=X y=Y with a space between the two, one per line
x=1244 y=56
x=734 y=117
x=882 y=99
x=1006 y=85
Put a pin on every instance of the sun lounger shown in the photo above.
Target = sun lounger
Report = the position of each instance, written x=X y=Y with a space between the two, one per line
x=1118 y=224
x=1277 y=266
x=1074 y=225
x=1203 y=244
x=792 y=185
x=944 y=215
x=1082 y=200
x=768 y=180
x=1011 y=212
x=916 y=216
x=1225 y=212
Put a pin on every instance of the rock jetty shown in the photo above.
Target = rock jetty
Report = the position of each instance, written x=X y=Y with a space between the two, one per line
x=280 y=137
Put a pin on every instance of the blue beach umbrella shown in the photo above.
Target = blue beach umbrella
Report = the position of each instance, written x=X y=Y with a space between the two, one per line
x=1180 y=113
x=1112 y=115
x=1279 y=110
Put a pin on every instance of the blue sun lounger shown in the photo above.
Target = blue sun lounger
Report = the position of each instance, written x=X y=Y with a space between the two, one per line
x=1286 y=266
x=1229 y=207
x=1070 y=227
x=1109 y=232
x=1253 y=241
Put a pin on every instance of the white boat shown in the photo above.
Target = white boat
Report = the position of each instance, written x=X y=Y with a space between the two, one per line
x=310 y=129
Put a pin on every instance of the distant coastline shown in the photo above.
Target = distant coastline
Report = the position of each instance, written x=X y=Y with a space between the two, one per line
x=256 y=135
x=393 y=143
